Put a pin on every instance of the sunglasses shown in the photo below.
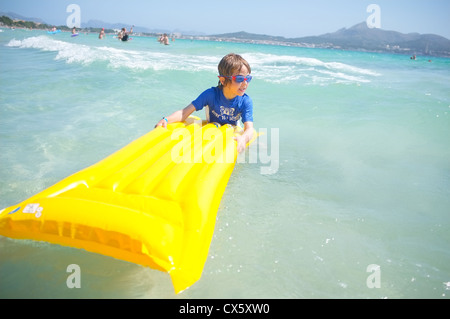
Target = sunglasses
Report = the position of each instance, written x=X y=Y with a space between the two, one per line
x=238 y=78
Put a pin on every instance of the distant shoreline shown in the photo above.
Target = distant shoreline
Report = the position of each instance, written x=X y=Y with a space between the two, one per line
x=324 y=46
x=366 y=40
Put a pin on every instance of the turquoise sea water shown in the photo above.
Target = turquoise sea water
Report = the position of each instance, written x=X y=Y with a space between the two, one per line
x=361 y=176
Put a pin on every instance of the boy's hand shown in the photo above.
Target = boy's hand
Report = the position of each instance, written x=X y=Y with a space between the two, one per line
x=162 y=122
x=240 y=143
x=243 y=139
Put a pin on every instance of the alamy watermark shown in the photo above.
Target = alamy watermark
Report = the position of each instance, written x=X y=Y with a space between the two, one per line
x=374 y=20
x=74 y=19
x=374 y=279
x=195 y=144
x=258 y=152
x=74 y=279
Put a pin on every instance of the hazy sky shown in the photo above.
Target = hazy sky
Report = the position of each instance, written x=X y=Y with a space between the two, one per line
x=288 y=18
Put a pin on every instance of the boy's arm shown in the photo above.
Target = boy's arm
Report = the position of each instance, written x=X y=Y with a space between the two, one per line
x=245 y=137
x=178 y=116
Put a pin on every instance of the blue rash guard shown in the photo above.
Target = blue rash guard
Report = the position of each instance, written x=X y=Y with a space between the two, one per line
x=223 y=111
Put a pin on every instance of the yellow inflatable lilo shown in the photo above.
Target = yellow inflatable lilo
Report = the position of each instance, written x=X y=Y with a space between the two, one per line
x=154 y=202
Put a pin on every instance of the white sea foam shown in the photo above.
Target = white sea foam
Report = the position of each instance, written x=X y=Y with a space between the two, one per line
x=280 y=60
x=65 y=51
x=114 y=57
x=286 y=69
x=267 y=67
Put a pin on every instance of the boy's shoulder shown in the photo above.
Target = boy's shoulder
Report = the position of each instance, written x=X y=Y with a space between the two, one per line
x=211 y=91
x=216 y=92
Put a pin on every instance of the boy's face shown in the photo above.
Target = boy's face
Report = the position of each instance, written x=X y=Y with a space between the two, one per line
x=233 y=89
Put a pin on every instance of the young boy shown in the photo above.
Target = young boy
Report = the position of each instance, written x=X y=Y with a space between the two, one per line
x=227 y=103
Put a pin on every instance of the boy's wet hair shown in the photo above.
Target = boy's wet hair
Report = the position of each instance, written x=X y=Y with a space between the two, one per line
x=230 y=64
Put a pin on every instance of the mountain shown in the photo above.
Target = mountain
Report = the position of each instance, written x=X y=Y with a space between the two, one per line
x=16 y=16
x=90 y=24
x=362 y=37
x=359 y=37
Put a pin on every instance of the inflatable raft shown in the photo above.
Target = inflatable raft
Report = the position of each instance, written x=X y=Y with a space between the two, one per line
x=154 y=202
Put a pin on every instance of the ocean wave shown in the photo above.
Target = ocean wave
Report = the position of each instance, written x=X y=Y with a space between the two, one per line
x=282 y=60
x=115 y=57
x=65 y=51
x=266 y=67
x=286 y=69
